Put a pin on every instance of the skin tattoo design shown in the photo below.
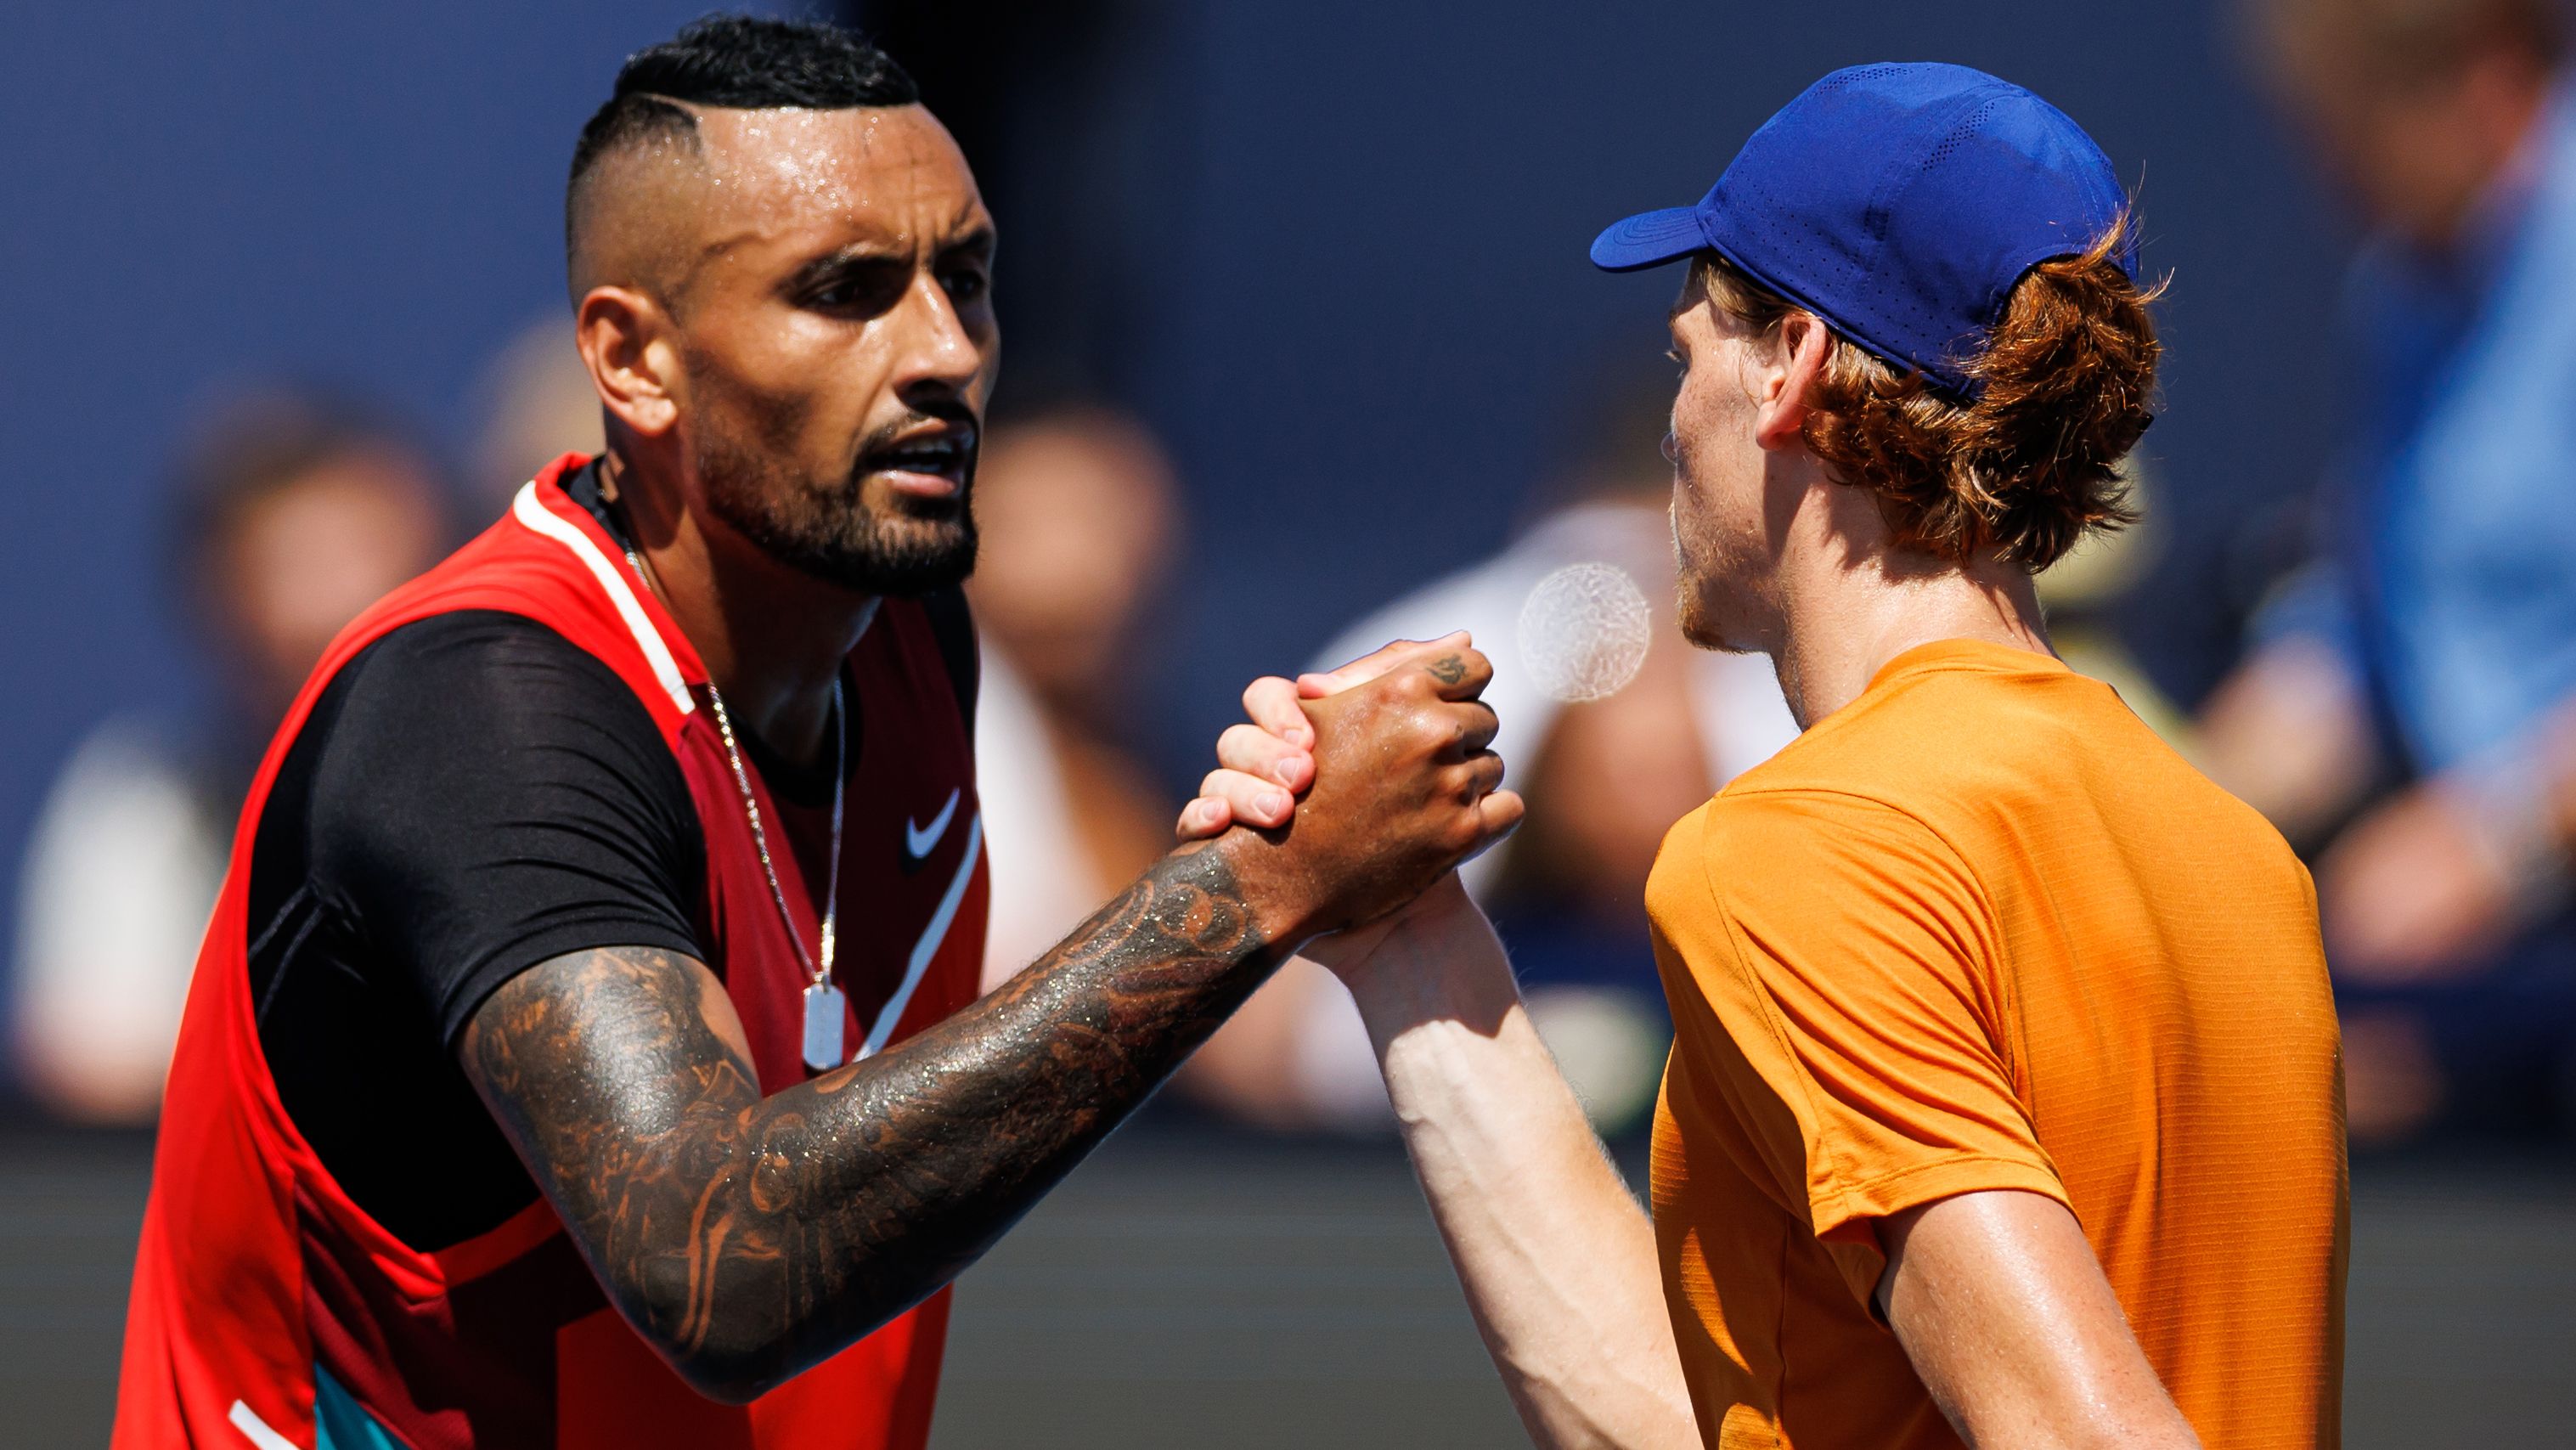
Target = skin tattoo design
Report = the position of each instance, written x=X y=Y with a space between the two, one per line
x=759 y=1235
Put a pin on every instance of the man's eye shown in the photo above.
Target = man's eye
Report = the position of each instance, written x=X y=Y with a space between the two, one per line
x=859 y=291
x=967 y=286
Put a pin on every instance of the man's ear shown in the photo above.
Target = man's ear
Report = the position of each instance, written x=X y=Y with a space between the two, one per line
x=624 y=340
x=1790 y=368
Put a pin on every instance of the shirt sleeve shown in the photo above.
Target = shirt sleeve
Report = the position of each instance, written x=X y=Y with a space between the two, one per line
x=1848 y=1012
x=491 y=796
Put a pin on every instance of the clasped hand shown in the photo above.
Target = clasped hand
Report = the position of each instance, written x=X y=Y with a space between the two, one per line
x=1387 y=755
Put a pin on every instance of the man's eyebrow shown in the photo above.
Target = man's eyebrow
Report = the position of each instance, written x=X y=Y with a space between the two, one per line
x=978 y=242
x=842 y=259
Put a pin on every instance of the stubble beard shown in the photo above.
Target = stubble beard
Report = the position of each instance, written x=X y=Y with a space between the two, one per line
x=1705 y=584
x=827 y=529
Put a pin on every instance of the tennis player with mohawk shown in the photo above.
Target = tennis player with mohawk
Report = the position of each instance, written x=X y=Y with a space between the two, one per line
x=2005 y=1104
x=536 y=1090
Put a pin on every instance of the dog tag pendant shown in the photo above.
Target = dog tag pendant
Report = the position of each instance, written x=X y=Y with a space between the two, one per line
x=824 y=1010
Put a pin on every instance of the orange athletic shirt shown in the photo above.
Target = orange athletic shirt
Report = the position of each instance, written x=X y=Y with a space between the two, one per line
x=1982 y=929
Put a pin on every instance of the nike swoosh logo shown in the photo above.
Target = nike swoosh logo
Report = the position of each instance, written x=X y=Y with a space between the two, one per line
x=918 y=841
x=933 y=937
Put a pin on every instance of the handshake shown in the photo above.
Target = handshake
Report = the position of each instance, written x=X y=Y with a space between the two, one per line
x=1349 y=794
x=1347 y=801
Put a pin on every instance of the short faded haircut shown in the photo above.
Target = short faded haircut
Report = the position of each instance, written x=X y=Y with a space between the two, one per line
x=739 y=62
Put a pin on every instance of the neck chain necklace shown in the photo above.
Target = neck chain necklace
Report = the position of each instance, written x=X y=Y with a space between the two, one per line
x=825 y=1007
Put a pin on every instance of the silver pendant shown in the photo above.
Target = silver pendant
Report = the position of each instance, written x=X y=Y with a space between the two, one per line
x=825 y=1011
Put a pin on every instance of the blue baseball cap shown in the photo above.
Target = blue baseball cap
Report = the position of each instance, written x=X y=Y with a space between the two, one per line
x=1900 y=203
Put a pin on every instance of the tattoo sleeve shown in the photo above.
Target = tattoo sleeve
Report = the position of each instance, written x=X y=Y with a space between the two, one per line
x=749 y=1238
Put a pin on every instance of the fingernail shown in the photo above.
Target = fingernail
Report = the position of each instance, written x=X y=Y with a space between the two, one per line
x=1286 y=771
x=1272 y=802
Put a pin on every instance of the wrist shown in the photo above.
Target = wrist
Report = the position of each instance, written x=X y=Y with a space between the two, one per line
x=1437 y=957
x=1283 y=912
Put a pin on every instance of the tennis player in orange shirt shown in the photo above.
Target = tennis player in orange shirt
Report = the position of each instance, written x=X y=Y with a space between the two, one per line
x=2005 y=1103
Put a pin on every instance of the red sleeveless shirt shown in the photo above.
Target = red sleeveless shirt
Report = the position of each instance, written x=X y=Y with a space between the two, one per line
x=268 y=1310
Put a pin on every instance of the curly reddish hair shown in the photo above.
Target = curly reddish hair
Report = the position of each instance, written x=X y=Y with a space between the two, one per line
x=2029 y=465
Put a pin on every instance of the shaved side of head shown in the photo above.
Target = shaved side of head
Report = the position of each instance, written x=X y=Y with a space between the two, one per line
x=640 y=167
x=631 y=178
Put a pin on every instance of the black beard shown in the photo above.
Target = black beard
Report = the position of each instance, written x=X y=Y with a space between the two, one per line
x=828 y=532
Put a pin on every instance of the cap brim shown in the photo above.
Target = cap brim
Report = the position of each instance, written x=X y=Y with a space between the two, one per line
x=1649 y=239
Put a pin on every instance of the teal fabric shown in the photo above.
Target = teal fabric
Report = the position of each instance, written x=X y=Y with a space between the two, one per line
x=340 y=1423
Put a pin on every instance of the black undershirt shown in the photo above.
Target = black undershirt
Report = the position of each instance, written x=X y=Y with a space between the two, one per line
x=472 y=795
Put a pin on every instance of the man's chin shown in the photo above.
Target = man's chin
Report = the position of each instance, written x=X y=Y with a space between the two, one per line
x=1704 y=630
x=1701 y=637
x=905 y=573
x=894 y=560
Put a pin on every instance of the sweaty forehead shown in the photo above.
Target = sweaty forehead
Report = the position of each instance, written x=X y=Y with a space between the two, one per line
x=887 y=172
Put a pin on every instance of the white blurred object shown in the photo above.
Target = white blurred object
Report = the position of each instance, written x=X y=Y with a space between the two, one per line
x=1333 y=1068
x=1742 y=718
x=121 y=874
x=1610 y=1044
x=1608 y=1041
x=1584 y=632
x=536 y=401
x=1042 y=882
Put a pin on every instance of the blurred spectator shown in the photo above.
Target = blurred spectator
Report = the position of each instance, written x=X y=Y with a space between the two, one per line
x=537 y=404
x=297 y=513
x=1075 y=506
x=2405 y=704
x=1605 y=779
x=2082 y=594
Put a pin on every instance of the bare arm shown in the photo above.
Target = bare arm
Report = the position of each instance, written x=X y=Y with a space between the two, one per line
x=2001 y=1305
x=1557 y=1260
x=748 y=1238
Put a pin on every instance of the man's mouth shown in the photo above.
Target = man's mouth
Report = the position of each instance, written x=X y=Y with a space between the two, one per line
x=928 y=463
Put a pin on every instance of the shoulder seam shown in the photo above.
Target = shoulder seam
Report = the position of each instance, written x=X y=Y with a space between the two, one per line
x=1842 y=1178
x=532 y=513
x=1739 y=963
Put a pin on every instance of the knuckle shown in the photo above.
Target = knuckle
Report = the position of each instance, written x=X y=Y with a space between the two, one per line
x=1431 y=730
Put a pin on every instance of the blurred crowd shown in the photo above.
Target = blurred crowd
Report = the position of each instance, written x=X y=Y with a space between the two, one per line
x=2404 y=708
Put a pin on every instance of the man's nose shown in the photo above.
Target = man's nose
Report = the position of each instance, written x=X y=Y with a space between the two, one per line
x=938 y=347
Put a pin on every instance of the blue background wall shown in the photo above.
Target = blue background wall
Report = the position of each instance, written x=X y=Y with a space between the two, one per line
x=1381 y=305
x=1364 y=318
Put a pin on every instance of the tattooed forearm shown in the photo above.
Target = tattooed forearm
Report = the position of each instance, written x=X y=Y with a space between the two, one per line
x=749 y=1237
